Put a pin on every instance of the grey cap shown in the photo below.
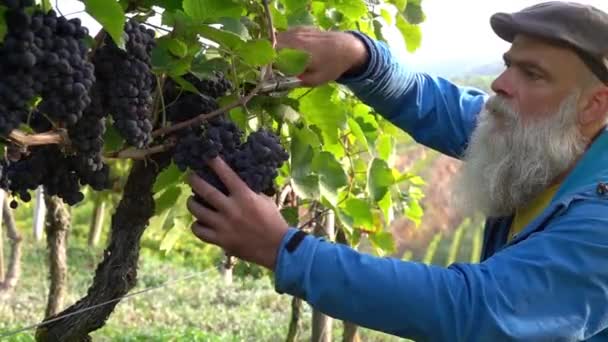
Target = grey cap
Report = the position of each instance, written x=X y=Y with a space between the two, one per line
x=583 y=28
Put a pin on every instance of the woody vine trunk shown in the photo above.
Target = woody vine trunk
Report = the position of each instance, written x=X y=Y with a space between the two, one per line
x=117 y=272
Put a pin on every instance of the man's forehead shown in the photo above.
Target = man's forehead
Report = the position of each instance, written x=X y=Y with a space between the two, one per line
x=541 y=51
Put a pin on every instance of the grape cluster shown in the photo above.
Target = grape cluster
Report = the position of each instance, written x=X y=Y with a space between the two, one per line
x=218 y=136
x=43 y=55
x=125 y=77
x=215 y=86
x=182 y=105
x=87 y=135
x=18 y=56
x=189 y=106
x=256 y=160
x=47 y=166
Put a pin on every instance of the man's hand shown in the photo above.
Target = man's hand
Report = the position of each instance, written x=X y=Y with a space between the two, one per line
x=332 y=53
x=245 y=224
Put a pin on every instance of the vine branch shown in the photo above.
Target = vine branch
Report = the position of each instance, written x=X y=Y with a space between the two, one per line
x=57 y=137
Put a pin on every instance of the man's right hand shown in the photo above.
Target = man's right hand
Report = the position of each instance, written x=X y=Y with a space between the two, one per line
x=332 y=54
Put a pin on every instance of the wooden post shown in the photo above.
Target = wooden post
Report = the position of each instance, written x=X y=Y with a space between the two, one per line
x=39 y=214
x=321 y=323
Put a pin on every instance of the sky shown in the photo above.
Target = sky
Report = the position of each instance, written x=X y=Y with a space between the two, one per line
x=454 y=31
x=460 y=30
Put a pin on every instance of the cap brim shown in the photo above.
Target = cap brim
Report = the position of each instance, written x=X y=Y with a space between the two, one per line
x=504 y=26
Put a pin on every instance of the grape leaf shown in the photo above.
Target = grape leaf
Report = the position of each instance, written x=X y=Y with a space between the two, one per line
x=3 y=27
x=292 y=62
x=379 y=178
x=203 y=10
x=168 y=176
x=256 y=52
x=111 y=16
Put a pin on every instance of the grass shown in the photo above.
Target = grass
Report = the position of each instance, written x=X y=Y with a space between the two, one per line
x=201 y=308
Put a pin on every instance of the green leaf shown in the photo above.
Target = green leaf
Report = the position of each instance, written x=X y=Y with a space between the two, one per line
x=205 y=68
x=202 y=10
x=179 y=227
x=185 y=84
x=400 y=4
x=386 y=204
x=278 y=18
x=302 y=151
x=178 y=48
x=167 y=199
x=353 y=9
x=360 y=138
x=235 y=26
x=301 y=17
x=385 y=145
x=360 y=213
x=303 y=142
x=256 y=52
x=112 y=140
x=45 y=5
x=411 y=33
x=320 y=109
x=111 y=16
x=383 y=241
x=414 y=212
x=379 y=178
x=293 y=5
x=331 y=176
x=167 y=177
x=224 y=38
x=3 y=27
x=291 y=61
x=306 y=187
x=290 y=214
x=414 y=14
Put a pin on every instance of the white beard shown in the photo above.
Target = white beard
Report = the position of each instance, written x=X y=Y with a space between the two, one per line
x=509 y=162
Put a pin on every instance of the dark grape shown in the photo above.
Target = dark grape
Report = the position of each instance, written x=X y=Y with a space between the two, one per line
x=256 y=160
x=126 y=79
x=34 y=61
x=46 y=166
x=87 y=135
x=214 y=86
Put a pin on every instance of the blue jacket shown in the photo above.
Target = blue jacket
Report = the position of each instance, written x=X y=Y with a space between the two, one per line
x=550 y=283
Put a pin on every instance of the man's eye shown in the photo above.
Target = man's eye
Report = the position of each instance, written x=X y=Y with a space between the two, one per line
x=531 y=74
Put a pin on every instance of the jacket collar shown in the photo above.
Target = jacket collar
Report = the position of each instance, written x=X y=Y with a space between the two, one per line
x=591 y=169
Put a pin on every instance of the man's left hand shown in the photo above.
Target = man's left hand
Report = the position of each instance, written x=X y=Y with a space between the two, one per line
x=245 y=224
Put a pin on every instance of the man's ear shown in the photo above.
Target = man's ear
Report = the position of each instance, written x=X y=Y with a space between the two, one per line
x=596 y=106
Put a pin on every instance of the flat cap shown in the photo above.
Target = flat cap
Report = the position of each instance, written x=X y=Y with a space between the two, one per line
x=581 y=27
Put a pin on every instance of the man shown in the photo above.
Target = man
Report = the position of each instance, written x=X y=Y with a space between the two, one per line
x=535 y=162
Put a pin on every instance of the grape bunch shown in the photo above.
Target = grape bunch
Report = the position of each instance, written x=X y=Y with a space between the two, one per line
x=87 y=141
x=46 y=166
x=256 y=160
x=183 y=105
x=18 y=56
x=125 y=77
x=64 y=77
x=215 y=85
x=42 y=55
x=218 y=136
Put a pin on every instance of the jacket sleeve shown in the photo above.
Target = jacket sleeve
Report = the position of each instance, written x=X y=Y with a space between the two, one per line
x=552 y=286
x=434 y=111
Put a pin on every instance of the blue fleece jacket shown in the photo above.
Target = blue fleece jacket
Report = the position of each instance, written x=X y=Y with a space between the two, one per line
x=550 y=283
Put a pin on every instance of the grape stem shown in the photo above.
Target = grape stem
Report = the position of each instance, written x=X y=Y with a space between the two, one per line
x=206 y=116
x=140 y=154
x=58 y=137
x=267 y=70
